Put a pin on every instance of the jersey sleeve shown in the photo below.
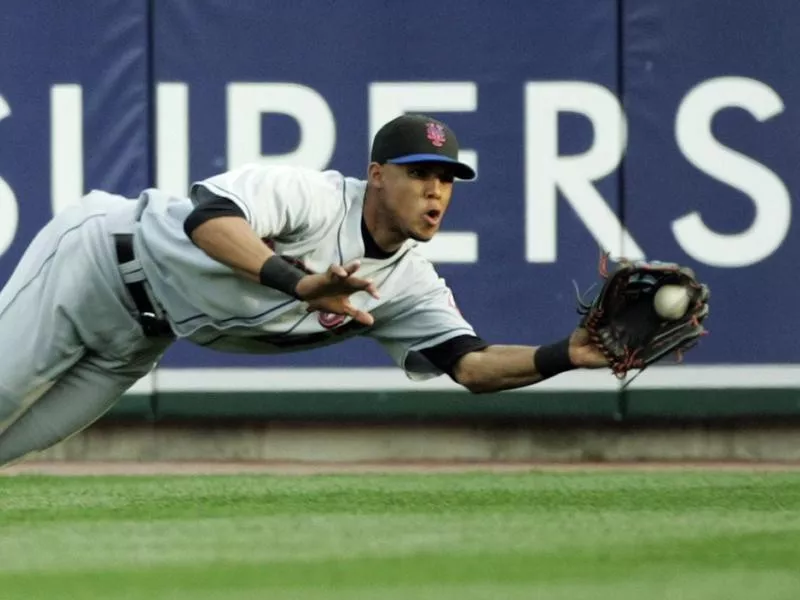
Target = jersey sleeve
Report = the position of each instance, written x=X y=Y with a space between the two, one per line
x=278 y=202
x=420 y=321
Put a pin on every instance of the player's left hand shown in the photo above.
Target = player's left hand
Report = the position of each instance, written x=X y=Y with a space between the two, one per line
x=623 y=320
x=583 y=353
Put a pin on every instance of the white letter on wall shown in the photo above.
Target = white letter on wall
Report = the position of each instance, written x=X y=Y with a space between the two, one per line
x=66 y=145
x=248 y=101
x=9 y=211
x=772 y=201
x=546 y=172
x=172 y=138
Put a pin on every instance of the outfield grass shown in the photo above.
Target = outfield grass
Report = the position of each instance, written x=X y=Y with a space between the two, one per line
x=620 y=535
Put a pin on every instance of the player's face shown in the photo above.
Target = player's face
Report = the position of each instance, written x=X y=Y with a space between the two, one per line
x=416 y=197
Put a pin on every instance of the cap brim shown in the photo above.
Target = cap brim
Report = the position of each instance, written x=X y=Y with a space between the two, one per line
x=460 y=170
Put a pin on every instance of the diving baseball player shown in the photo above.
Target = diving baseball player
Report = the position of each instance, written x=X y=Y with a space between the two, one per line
x=258 y=260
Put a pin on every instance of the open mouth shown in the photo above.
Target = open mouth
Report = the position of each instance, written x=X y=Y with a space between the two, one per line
x=433 y=216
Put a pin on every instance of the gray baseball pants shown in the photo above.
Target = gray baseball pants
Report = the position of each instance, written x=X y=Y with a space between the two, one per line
x=70 y=343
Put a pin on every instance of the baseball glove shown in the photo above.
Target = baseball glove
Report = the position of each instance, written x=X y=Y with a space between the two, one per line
x=622 y=321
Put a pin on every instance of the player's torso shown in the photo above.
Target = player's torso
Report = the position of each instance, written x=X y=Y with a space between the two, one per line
x=214 y=307
x=297 y=329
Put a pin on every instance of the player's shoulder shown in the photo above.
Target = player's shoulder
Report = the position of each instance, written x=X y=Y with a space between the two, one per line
x=342 y=191
x=419 y=269
x=328 y=179
x=297 y=185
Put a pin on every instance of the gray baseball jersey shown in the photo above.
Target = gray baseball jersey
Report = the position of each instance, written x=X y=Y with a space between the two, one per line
x=72 y=343
x=311 y=217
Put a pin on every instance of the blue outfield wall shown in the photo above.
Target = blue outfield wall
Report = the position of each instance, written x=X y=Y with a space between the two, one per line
x=652 y=129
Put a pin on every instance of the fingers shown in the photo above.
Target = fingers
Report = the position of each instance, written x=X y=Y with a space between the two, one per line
x=340 y=272
x=352 y=267
x=359 y=315
x=354 y=284
x=341 y=306
x=344 y=271
x=373 y=291
x=364 y=284
x=344 y=274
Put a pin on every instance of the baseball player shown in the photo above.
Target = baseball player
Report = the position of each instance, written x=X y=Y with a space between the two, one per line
x=259 y=259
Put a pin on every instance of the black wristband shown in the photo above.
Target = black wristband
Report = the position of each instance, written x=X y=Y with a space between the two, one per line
x=280 y=275
x=553 y=359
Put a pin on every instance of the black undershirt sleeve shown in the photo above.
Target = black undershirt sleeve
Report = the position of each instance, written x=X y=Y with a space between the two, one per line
x=210 y=206
x=446 y=355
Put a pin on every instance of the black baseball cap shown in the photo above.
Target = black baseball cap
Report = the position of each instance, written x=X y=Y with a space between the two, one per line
x=418 y=138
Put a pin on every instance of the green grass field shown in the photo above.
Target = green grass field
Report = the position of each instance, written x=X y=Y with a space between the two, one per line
x=571 y=535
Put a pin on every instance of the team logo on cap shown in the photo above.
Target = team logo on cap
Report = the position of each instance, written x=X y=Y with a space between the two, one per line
x=436 y=135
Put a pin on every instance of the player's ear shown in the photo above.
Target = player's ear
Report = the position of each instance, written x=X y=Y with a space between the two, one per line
x=375 y=175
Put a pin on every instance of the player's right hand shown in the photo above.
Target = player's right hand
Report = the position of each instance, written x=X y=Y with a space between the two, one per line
x=337 y=280
x=330 y=291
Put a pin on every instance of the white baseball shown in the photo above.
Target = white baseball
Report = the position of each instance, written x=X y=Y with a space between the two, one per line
x=671 y=301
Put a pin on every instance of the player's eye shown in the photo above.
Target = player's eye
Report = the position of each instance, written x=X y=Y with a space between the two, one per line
x=444 y=175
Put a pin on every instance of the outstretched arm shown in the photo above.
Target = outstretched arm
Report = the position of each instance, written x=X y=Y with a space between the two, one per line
x=500 y=367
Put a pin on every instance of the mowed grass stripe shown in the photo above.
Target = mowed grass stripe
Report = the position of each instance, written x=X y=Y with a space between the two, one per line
x=658 y=563
x=92 y=546
x=48 y=498
x=349 y=536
